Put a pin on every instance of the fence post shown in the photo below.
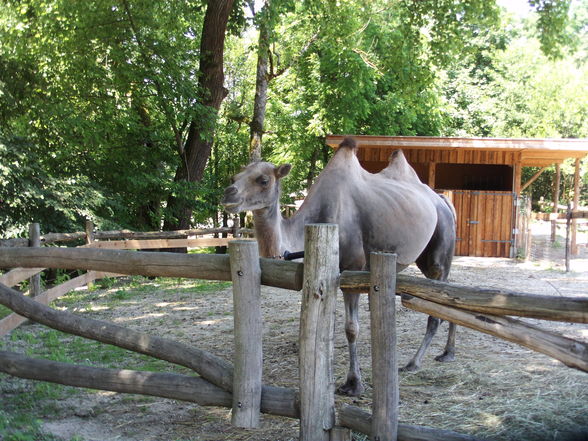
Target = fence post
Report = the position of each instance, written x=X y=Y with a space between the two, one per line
x=568 y=223
x=317 y=331
x=35 y=241
x=382 y=301
x=236 y=226
x=89 y=228
x=246 y=276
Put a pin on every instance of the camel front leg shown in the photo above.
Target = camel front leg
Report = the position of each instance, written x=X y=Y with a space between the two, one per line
x=353 y=385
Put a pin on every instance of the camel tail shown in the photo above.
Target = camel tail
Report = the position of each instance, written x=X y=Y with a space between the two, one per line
x=348 y=142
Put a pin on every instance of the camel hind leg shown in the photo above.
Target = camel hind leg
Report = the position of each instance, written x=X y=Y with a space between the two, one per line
x=353 y=385
x=435 y=263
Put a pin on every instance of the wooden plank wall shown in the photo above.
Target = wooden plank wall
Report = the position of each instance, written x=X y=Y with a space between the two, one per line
x=484 y=222
x=416 y=156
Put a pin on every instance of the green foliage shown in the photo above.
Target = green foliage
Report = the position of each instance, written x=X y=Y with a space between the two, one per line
x=512 y=88
x=96 y=97
x=29 y=192
x=552 y=30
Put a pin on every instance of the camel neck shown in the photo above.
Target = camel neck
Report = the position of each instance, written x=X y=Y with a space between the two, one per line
x=268 y=223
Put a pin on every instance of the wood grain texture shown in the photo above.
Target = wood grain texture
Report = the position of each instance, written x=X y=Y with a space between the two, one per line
x=382 y=301
x=275 y=273
x=167 y=385
x=491 y=301
x=317 y=331
x=248 y=331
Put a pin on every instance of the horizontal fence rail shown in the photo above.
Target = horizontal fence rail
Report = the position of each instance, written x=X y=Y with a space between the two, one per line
x=489 y=301
x=276 y=273
x=51 y=238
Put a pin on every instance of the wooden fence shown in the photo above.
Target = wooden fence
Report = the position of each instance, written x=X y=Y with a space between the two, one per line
x=119 y=239
x=239 y=386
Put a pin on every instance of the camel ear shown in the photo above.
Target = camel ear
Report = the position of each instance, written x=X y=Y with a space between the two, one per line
x=283 y=170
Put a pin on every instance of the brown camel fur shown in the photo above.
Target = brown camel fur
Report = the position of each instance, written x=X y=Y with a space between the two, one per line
x=389 y=211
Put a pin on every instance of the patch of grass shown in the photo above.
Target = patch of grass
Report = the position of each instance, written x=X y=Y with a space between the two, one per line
x=21 y=427
x=122 y=294
x=4 y=311
x=75 y=297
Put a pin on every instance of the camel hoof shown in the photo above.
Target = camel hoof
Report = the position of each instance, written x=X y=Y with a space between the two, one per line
x=410 y=367
x=351 y=388
x=445 y=356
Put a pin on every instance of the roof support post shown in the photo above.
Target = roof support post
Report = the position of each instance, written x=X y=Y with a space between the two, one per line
x=555 y=210
x=516 y=174
x=574 y=245
x=432 y=171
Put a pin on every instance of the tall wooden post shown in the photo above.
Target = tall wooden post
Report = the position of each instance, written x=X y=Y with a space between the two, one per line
x=35 y=241
x=382 y=301
x=555 y=209
x=574 y=245
x=568 y=224
x=236 y=226
x=432 y=171
x=317 y=331
x=89 y=228
x=246 y=276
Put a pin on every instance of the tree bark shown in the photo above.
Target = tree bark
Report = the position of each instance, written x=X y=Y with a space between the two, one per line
x=200 y=132
x=261 y=85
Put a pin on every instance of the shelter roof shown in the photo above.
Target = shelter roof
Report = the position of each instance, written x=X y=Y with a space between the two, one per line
x=528 y=152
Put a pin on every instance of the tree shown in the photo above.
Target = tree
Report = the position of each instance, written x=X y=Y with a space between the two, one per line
x=198 y=145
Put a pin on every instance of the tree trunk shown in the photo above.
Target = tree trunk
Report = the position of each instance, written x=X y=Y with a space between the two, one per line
x=146 y=219
x=200 y=133
x=261 y=84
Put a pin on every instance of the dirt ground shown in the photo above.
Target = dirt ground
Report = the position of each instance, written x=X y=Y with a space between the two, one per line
x=494 y=389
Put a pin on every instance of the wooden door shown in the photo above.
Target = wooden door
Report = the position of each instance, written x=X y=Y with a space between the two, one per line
x=484 y=222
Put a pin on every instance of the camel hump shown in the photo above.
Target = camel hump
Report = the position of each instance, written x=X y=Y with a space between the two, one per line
x=348 y=142
x=399 y=168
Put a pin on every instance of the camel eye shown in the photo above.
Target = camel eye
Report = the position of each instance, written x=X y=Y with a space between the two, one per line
x=262 y=180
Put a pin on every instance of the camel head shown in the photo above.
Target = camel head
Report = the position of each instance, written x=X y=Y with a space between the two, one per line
x=257 y=186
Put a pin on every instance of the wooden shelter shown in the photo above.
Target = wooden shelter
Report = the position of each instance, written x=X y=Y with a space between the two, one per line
x=482 y=176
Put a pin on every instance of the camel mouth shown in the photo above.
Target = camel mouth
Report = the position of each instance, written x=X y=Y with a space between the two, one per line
x=231 y=207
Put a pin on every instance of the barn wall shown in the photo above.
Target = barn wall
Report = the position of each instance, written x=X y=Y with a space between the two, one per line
x=441 y=156
x=484 y=222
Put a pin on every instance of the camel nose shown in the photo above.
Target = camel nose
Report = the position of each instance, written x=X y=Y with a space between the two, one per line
x=230 y=191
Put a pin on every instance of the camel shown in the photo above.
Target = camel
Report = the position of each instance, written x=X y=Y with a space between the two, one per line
x=388 y=211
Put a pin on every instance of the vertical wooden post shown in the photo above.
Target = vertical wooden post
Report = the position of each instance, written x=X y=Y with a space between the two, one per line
x=382 y=301
x=574 y=245
x=432 y=171
x=568 y=222
x=236 y=226
x=555 y=209
x=35 y=241
x=317 y=331
x=89 y=228
x=246 y=276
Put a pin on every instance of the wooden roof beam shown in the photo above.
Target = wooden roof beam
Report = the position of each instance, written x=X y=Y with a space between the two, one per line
x=533 y=179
